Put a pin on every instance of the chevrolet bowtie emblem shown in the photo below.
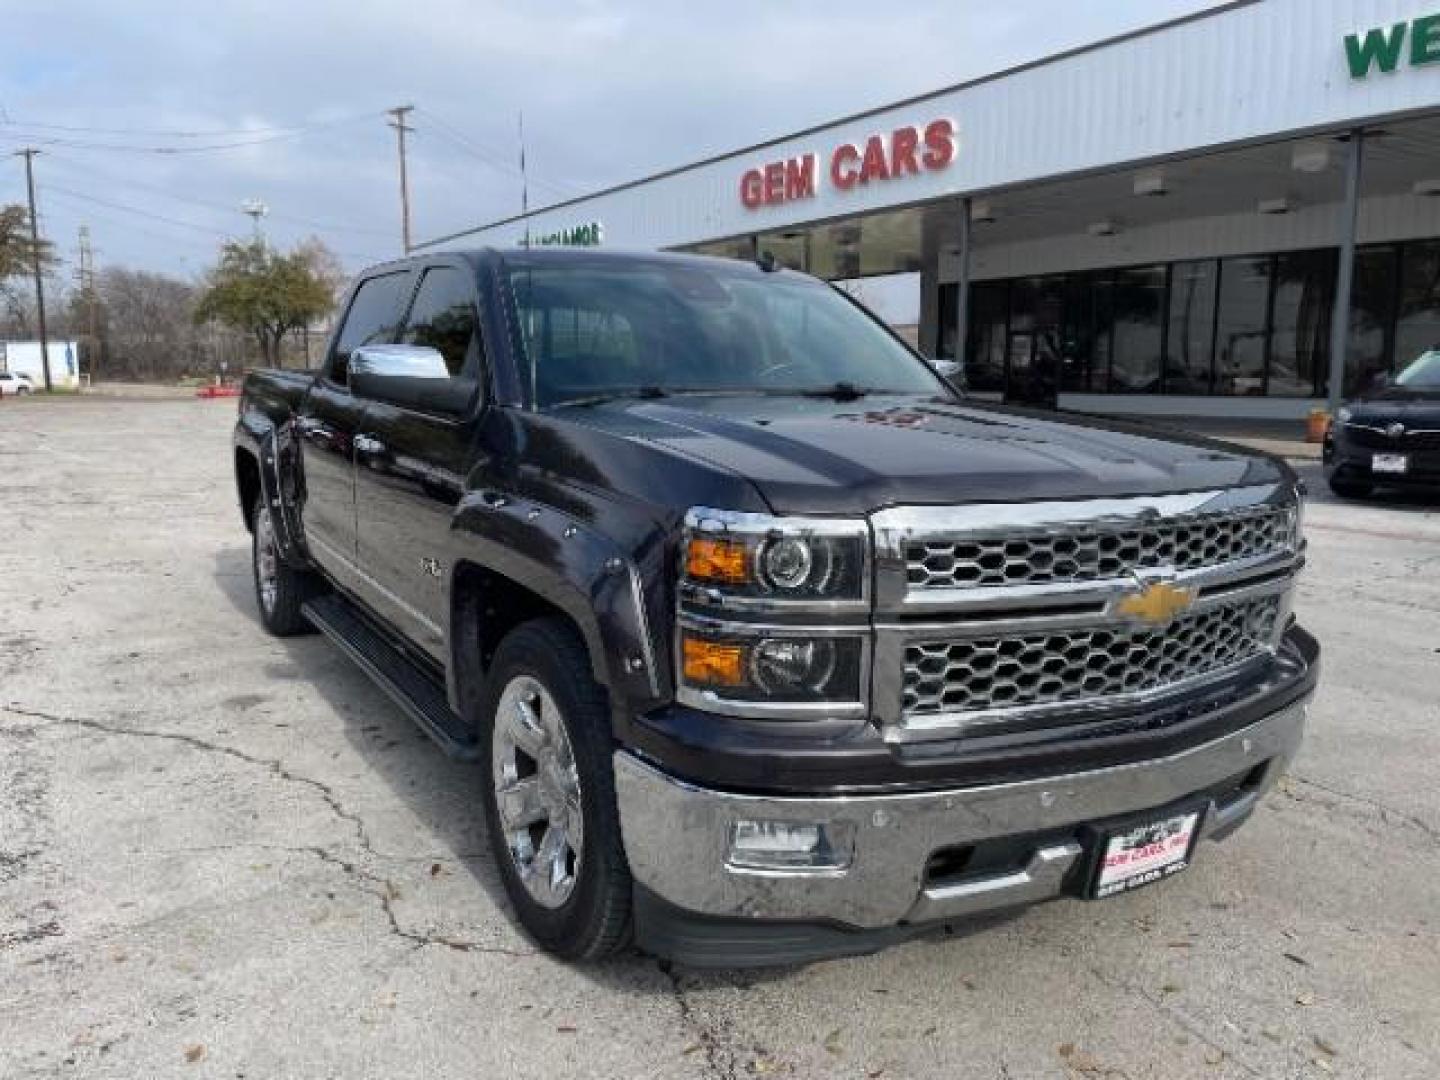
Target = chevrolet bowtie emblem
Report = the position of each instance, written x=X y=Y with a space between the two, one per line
x=1155 y=604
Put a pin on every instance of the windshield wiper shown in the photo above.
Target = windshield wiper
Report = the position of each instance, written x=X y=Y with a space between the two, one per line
x=644 y=393
x=840 y=391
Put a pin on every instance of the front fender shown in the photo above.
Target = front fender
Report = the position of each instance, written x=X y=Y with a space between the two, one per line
x=274 y=449
x=583 y=573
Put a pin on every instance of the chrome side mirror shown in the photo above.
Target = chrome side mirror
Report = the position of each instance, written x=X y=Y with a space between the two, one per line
x=398 y=361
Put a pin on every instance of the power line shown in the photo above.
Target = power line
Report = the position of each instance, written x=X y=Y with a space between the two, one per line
x=172 y=133
x=324 y=226
x=82 y=144
x=491 y=158
x=57 y=189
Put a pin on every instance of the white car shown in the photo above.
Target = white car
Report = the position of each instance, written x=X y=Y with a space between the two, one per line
x=13 y=382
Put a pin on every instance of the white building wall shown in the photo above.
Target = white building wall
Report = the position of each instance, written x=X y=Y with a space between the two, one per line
x=24 y=357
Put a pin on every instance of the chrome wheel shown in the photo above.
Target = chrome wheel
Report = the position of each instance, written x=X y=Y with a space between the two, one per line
x=537 y=791
x=267 y=560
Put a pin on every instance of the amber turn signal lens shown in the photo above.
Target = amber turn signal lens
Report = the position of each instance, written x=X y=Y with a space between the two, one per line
x=708 y=559
x=710 y=663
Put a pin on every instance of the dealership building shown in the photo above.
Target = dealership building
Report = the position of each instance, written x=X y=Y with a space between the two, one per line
x=1192 y=219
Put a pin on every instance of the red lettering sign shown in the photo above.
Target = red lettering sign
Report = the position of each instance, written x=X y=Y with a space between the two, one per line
x=939 y=144
x=843 y=173
x=800 y=178
x=751 y=189
x=906 y=151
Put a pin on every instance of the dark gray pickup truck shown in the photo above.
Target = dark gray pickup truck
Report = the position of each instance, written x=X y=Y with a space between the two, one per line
x=769 y=644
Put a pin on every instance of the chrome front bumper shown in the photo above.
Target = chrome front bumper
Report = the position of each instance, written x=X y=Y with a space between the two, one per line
x=677 y=836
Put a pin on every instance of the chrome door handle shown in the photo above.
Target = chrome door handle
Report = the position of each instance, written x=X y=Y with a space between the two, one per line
x=365 y=444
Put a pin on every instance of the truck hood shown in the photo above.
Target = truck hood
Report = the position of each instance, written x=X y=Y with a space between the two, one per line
x=826 y=457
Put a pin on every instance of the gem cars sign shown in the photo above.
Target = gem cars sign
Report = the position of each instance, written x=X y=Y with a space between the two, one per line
x=906 y=151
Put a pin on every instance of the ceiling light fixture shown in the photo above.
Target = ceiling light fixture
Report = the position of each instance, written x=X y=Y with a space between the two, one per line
x=1310 y=157
x=1150 y=183
x=1281 y=205
x=1427 y=188
x=982 y=213
x=1103 y=228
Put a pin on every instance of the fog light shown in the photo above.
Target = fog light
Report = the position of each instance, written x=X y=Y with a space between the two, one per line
x=791 y=845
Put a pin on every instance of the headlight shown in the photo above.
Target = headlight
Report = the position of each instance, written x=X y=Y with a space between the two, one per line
x=730 y=557
x=1344 y=414
x=757 y=670
x=743 y=645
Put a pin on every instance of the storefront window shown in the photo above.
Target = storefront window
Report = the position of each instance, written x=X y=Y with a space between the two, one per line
x=1240 y=326
x=1418 y=329
x=1137 y=300
x=1191 y=343
x=1372 y=313
x=985 y=357
x=1300 y=334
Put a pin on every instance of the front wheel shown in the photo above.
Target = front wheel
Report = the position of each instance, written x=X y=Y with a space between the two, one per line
x=550 y=793
x=280 y=590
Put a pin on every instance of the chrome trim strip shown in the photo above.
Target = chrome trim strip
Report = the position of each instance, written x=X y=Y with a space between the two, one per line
x=647 y=642
x=676 y=834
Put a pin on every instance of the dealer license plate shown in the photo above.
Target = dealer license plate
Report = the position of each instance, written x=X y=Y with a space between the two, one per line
x=1390 y=463
x=1146 y=853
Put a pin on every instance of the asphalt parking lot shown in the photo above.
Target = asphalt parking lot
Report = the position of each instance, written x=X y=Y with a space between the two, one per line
x=223 y=855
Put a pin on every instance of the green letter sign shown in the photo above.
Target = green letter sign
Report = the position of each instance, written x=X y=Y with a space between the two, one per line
x=1383 y=46
x=1377 y=47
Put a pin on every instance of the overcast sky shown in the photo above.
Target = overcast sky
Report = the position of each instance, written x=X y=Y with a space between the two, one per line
x=610 y=91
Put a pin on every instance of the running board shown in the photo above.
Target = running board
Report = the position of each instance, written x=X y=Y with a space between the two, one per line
x=407 y=683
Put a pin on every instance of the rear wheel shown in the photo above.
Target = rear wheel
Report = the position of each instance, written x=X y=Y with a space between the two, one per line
x=1351 y=489
x=279 y=589
x=550 y=793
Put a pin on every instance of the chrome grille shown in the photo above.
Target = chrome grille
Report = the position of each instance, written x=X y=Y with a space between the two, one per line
x=1376 y=439
x=982 y=674
x=1096 y=550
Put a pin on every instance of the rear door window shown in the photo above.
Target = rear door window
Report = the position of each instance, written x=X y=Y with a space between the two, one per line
x=372 y=319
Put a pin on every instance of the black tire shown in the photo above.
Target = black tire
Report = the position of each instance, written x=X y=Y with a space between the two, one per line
x=594 y=921
x=280 y=609
x=1351 y=489
x=22 y=391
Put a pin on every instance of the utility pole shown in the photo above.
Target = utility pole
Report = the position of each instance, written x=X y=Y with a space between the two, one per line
x=87 y=286
x=255 y=209
x=29 y=156
x=401 y=128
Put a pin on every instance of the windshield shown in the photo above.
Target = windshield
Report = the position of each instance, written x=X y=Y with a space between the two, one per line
x=1423 y=373
x=653 y=328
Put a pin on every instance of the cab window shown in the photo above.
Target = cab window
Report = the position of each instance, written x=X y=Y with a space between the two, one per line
x=372 y=319
x=443 y=317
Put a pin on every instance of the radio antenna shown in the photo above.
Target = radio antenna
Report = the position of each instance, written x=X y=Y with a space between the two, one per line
x=524 y=180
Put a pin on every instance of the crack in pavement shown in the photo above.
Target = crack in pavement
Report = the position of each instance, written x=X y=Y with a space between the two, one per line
x=1386 y=812
x=719 y=1061
x=377 y=885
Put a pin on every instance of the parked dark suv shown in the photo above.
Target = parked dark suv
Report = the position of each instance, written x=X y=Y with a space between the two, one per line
x=767 y=643
x=1389 y=436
